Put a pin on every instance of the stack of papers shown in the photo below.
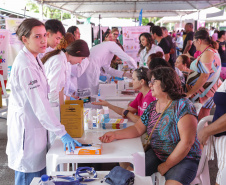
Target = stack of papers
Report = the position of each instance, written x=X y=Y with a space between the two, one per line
x=114 y=123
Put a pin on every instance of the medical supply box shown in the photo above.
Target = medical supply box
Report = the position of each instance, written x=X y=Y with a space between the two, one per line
x=95 y=149
x=72 y=117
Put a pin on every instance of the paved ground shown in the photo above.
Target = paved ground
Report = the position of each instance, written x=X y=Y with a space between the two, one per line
x=7 y=175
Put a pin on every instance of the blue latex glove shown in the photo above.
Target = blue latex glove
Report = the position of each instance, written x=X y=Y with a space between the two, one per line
x=69 y=142
x=71 y=98
x=103 y=78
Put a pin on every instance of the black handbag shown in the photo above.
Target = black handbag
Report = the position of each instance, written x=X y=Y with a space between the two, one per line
x=120 y=176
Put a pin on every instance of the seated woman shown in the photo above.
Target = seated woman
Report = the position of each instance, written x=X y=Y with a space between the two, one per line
x=174 y=148
x=183 y=64
x=218 y=129
x=143 y=99
x=160 y=62
x=203 y=82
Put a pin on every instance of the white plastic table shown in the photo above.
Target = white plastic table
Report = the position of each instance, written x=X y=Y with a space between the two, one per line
x=139 y=180
x=121 y=97
x=127 y=150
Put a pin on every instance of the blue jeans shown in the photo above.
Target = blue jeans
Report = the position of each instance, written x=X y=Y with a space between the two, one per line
x=22 y=178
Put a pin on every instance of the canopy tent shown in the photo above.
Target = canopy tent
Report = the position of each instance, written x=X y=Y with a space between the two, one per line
x=130 y=8
x=199 y=15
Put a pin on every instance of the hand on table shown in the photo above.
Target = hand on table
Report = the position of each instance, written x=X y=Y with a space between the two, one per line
x=101 y=102
x=108 y=137
x=163 y=168
x=69 y=142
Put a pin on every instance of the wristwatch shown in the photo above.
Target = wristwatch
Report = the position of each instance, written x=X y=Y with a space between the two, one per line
x=125 y=112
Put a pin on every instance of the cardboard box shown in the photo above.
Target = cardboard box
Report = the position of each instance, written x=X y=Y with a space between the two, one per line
x=72 y=116
x=95 y=149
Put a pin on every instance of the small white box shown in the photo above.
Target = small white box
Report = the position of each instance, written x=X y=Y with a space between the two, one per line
x=108 y=90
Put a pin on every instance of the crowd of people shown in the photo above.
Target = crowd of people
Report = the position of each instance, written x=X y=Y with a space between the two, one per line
x=172 y=75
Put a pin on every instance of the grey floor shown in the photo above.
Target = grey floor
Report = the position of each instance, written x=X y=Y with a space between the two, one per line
x=7 y=175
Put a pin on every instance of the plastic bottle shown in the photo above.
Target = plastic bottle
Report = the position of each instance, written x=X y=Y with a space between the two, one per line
x=45 y=180
x=112 y=81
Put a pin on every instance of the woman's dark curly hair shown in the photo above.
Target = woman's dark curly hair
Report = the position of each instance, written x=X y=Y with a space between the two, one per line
x=170 y=81
x=150 y=41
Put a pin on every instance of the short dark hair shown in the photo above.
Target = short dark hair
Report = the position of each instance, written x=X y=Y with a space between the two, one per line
x=157 y=30
x=142 y=73
x=106 y=34
x=189 y=24
x=164 y=28
x=220 y=33
x=54 y=25
x=151 y=24
x=185 y=60
x=170 y=81
x=24 y=29
x=72 y=29
x=158 y=62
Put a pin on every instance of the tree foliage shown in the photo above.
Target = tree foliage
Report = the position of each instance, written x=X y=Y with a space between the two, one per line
x=48 y=12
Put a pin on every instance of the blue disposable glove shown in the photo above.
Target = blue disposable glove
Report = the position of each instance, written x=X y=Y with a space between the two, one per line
x=71 y=98
x=69 y=142
x=103 y=78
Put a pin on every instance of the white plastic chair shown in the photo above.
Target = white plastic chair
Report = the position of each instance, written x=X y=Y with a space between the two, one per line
x=223 y=178
x=198 y=107
x=202 y=176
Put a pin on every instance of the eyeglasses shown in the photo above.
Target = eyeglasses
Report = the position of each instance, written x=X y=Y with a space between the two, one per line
x=152 y=81
x=115 y=34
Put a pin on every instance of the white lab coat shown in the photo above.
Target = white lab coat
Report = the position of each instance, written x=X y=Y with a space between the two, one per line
x=144 y=55
x=58 y=73
x=29 y=115
x=101 y=56
x=77 y=70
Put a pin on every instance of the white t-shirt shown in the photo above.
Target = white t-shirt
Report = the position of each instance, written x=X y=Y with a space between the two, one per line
x=144 y=55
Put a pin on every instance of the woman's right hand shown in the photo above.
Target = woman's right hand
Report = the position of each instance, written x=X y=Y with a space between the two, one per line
x=101 y=102
x=108 y=137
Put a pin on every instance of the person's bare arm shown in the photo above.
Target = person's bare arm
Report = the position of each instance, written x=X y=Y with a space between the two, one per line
x=187 y=126
x=188 y=46
x=216 y=127
x=130 y=132
x=167 y=56
x=207 y=57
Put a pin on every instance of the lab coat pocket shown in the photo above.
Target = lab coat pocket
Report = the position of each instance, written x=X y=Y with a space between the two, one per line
x=40 y=135
x=16 y=130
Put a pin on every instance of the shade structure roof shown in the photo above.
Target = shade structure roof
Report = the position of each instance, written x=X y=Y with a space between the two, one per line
x=131 y=8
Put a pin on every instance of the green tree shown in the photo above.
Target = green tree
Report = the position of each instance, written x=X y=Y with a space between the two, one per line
x=48 y=12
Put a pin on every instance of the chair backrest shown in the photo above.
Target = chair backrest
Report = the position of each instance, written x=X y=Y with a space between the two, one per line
x=198 y=107
x=223 y=177
x=203 y=158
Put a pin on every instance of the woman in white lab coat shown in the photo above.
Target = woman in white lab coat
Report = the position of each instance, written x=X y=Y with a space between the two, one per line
x=58 y=65
x=101 y=56
x=29 y=112
x=147 y=47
